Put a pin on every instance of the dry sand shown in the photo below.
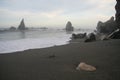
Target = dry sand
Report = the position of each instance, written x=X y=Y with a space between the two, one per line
x=60 y=62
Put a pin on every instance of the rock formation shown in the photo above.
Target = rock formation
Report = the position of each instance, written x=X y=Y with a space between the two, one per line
x=22 y=25
x=116 y=33
x=106 y=27
x=90 y=37
x=69 y=26
x=109 y=29
x=117 y=7
x=78 y=36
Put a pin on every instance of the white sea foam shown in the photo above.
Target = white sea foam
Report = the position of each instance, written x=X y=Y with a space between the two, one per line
x=32 y=39
x=24 y=44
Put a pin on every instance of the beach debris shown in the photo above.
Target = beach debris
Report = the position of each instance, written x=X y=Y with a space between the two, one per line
x=91 y=37
x=78 y=36
x=52 y=56
x=103 y=37
x=115 y=34
x=12 y=28
x=85 y=67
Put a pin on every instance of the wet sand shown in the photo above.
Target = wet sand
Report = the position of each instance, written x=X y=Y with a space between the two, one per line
x=60 y=62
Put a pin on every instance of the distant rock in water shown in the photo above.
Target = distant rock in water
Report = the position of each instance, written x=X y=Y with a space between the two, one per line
x=69 y=26
x=107 y=27
x=12 y=28
x=117 y=7
x=22 y=25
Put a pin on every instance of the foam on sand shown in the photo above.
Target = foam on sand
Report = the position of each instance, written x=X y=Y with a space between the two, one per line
x=24 y=44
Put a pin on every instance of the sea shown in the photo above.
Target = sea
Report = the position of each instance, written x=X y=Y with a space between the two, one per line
x=13 y=41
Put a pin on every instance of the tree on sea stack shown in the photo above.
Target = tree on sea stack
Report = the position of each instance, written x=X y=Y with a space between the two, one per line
x=69 y=26
x=22 y=25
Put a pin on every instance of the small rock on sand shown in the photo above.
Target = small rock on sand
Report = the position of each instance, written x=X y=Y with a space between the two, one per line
x=85 y=67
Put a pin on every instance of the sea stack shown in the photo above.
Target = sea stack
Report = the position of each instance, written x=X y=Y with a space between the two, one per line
x=69 y=26
x=22 y=25
x=117 y=7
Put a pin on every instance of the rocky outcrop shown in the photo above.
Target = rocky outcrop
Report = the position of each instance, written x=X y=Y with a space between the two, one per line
x=69 y=26
x=109 y=29
x=90 y=37
x=117 y=7
x=78 y=36
x=106 y=27
x=116 y=33
x=22 y=25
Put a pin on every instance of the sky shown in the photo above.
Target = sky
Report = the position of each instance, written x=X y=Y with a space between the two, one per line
x=55 y=13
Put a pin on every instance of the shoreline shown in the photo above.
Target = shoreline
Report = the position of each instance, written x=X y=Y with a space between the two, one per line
x=36 y=64
x=17 y=51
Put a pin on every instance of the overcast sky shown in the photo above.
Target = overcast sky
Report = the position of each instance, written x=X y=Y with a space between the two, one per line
x=55 y=13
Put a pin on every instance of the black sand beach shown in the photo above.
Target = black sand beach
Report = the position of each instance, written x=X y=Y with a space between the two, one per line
x=60 y=62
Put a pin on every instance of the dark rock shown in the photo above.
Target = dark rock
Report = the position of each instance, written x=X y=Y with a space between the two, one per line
x=106 y=27
x=69 y=26
x=99 y=27
x=111 y=28
x=117 y=7
x=91 y=37
x=12 y=28
x=78 y=36
x=22 y=25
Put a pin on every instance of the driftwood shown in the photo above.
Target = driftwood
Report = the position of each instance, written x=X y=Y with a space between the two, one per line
x=115 y=34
